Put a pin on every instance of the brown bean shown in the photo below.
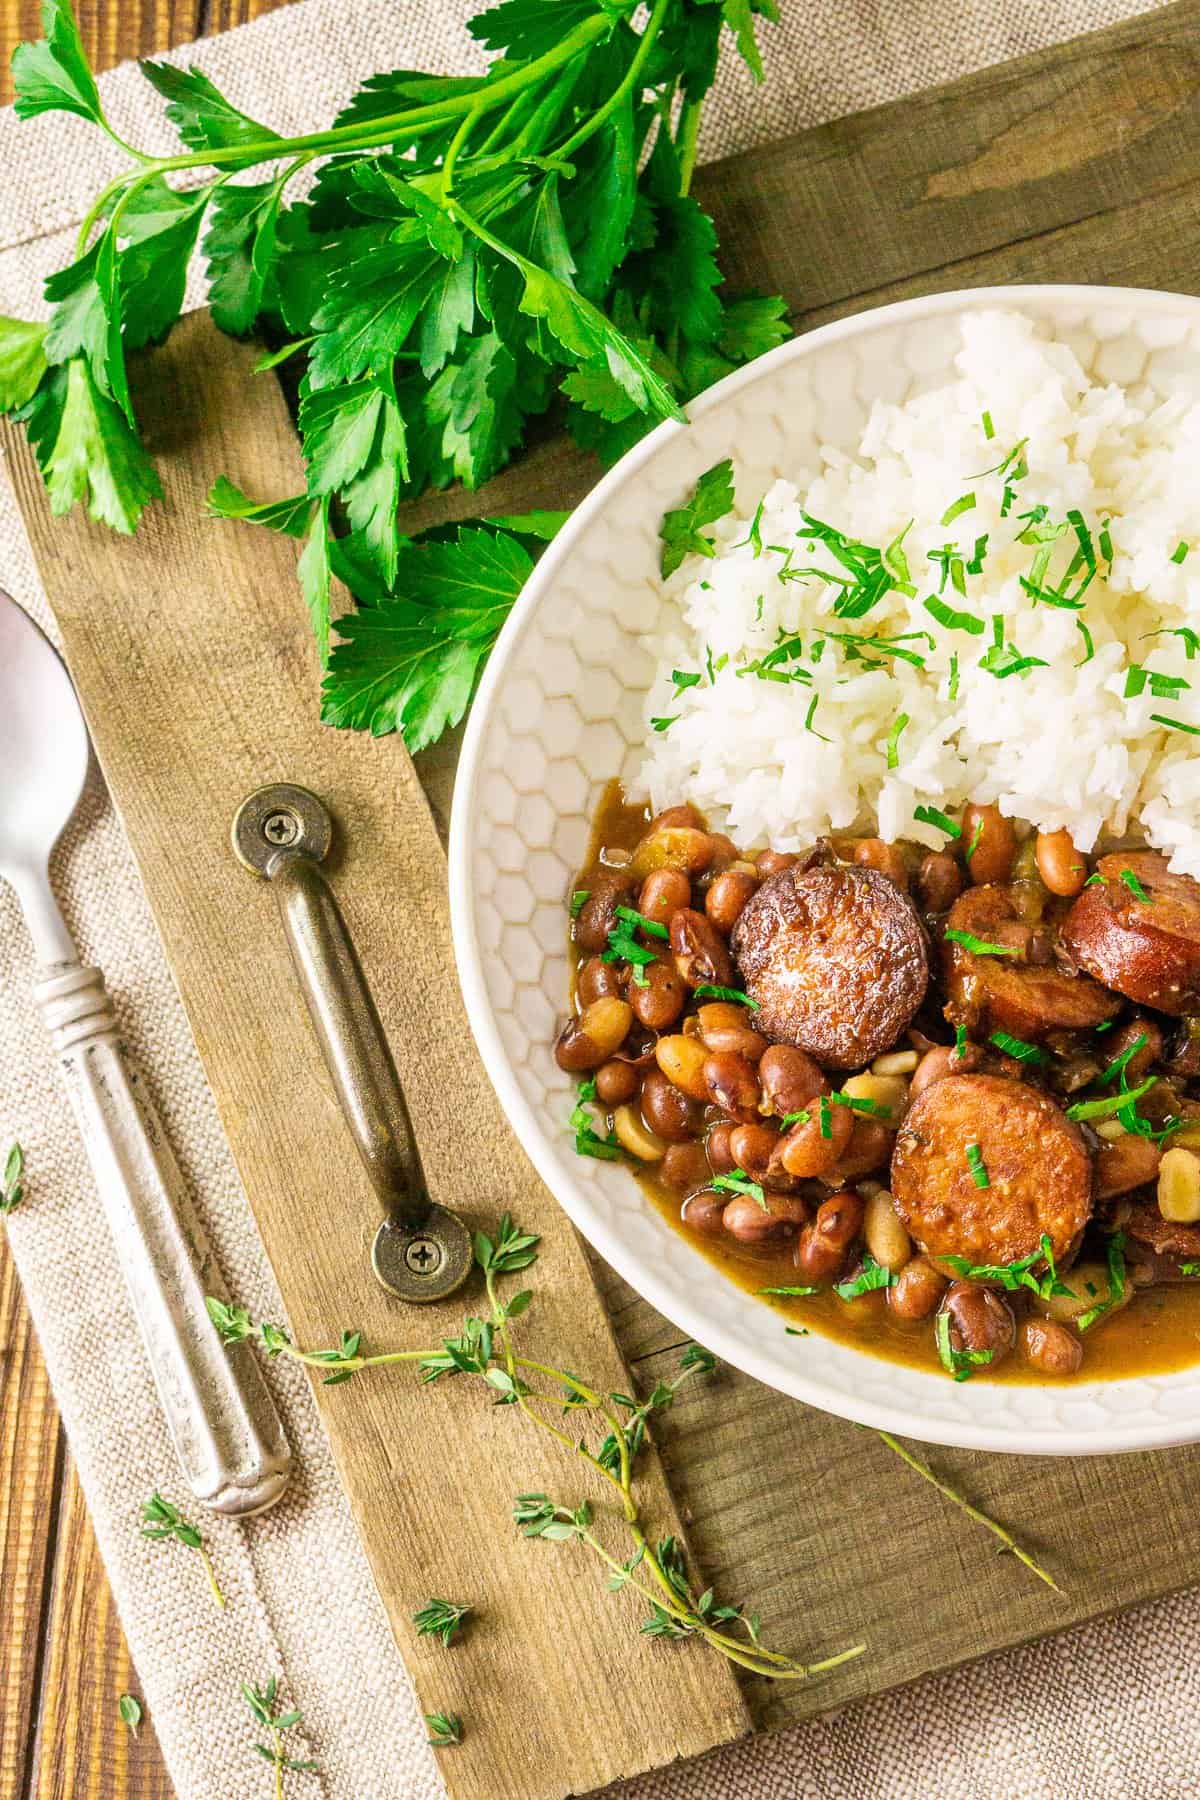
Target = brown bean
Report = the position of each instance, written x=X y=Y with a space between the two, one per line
x=732 y=1085
x=825 y=1244
x=806 y=1152
x=659 y=1003
x=777 y=1217
x=719 y=1147
x=596 y=979
x=725 y=851
x=751 y=1147
x=598 y=914
x=873 y=853
x=1050 y=1348
x=589 y=1040
x=918 y=1289
x=870 y=1148
x=1142 y=1060
x=1127 y=1162
x=790 y=1079
x=1061 y=866
x=943 y=1059
x=726 y=897
x=682 y=1060
x=703 y=1212
x=672 y=847
x=745 y=1043
x=663 y=893
x=667 y=1110
x=616 y=1082
x=684 y=1167
x=994 y=841
x=979 y=1320
x=769 y=862
x=685 y=814
x=720 y=1015
x=939 y=881
x=700 y=954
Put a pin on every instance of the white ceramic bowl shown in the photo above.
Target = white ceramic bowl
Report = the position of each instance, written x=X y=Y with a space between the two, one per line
x=559 y=713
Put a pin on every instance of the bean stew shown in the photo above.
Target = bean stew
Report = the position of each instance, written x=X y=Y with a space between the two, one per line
x=943 y=1105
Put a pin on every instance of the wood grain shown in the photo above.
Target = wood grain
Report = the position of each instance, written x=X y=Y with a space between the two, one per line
x=1079 y=163
x=194 y=697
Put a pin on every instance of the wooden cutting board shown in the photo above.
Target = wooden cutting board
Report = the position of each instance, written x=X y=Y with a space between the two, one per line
x=191 y=651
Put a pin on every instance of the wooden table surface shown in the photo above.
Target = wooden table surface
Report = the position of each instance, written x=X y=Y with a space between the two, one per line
x=63 y=1659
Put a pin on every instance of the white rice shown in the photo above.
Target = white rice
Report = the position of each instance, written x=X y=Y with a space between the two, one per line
x=1059 y=746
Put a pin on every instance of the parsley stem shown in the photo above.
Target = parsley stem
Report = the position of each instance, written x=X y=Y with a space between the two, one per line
x=686 y=141
x=972 y=1512
x=625 y=85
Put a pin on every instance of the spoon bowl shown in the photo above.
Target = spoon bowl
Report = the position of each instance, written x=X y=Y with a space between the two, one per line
x=43 y=766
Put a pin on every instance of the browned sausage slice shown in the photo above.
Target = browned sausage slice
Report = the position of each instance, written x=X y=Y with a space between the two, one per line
x=1148 y=949
x=1004 y=993
x=837 y=960
x=1038 y=1169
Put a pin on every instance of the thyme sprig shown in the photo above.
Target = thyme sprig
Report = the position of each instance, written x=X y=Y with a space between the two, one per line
x=163 y=1521
x=444 y=1729
x=441 y=1618
x=261 y=1702
x=485 y=1348
x=12 y=1191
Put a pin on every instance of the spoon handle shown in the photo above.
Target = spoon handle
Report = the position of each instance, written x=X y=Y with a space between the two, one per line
x=221 y=1418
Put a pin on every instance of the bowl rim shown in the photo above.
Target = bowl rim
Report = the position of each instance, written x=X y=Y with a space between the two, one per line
x=902 y=1418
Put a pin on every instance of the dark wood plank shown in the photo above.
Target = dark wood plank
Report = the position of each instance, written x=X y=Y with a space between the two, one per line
x=113 y=30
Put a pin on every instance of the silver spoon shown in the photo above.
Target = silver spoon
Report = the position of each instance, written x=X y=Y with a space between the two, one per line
x=221 y=1418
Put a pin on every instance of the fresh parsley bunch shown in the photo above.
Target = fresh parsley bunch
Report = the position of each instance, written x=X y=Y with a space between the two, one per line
x=472 y=251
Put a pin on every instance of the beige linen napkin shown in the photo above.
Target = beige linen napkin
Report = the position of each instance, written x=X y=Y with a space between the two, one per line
x=1102 y=1714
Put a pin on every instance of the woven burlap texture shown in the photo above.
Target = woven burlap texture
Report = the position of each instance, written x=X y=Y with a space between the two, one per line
x=1099 y=1713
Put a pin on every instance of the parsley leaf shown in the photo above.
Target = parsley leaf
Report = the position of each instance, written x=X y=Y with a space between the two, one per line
x=53 y=74
x=200 y=113
x=711 y=499
x=22 y=361
x=86 y=449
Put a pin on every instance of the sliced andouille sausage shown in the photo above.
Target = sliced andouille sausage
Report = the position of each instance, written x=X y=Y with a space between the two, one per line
x=1148 y=949
x=1008 y=993
x=1039 y=1173
x=837 y=959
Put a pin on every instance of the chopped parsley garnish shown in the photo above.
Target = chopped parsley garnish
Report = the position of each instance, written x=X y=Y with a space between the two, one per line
x=868 y=576
x=952 y=690
x=738 y=1182
x=711 y=499
x=1015 y=1046
x=1106 y=544
x=979 y=946
x=1001 y=659
x=989 y=430
x=951 y=618
x=1013 y=465
x=708 y=990
x=792 y=1293
x=651 y=927
x=754 y=538
x=1189 y=1268
x=975 y=565
x=1097 y=880
x=1014 y=1275
x=686 y=678
x=797 y=1330
x=808 y=720
x=1104 y=1109
x=896 y=562
x=588 y=1141
x=1119 y=1064
x=959 y=1363
x=960 y=1040
x=963 y=504
x=1179 y=553
x=1089 y=646
x=873 y=1108
x=1175 y=724
x=797 y=1118
x=665 y=723
x=1162 y=687
x=1116 y=1283
x=893 y=743
x=579 y=900
x=825 y=1117
x=1191 y=640
x=1135 y=887
x=975 y=1163
x=932 y=815
x=871 y=1275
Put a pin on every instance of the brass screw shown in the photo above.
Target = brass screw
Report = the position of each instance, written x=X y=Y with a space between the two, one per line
x=281 y=828
x=423 y=1255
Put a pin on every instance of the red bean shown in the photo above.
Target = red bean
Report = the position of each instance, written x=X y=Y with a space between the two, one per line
x=994 y=841
x=918 y=1289
x=721 y=1159
x=595 y=980
x=824 y=1245
x=752 y=1147
x=790 y=1079
x=703 y=1212
x=732 y=1085
x=667 y=1111
x=616 y=1082
x=700 y=955
x=806 y=1151
x=663 y=893
x=750 y=1222
x=727 y=896
x=873 y=853
x=939 y=881
x=659 y=1003
x=684 y=1167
